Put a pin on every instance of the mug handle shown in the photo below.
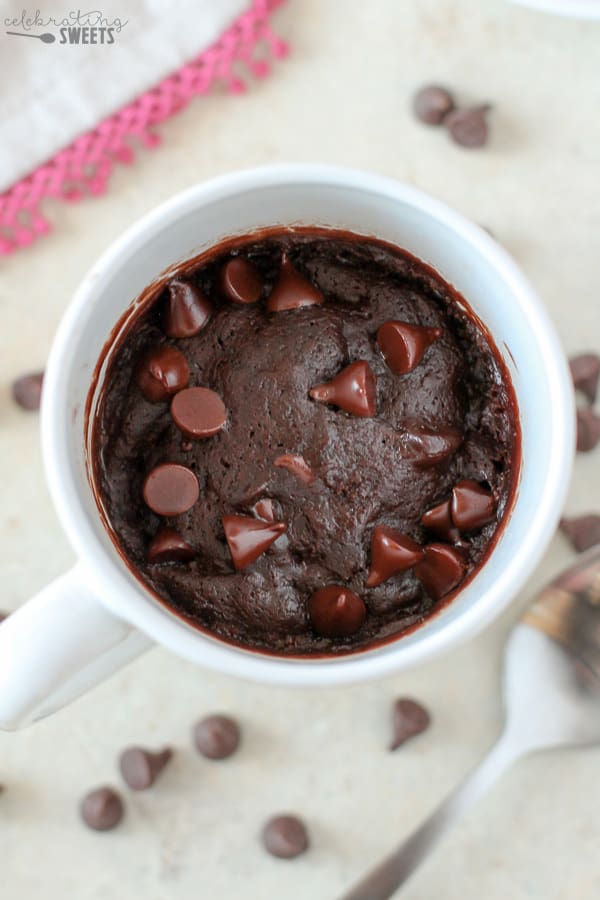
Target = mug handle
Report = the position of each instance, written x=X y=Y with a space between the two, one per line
x=57 y=646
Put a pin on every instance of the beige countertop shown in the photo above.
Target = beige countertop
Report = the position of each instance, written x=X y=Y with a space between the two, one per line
x=341 y=97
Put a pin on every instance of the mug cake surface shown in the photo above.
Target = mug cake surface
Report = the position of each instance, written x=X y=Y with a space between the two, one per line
x=305 y=441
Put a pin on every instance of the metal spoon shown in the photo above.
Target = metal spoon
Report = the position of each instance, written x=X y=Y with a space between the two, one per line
x=552 y=699
x=46 y=38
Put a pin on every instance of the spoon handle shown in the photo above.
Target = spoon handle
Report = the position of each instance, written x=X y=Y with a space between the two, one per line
x=381 y=882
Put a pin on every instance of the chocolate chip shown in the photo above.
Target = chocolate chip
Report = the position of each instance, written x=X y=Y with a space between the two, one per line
x=161 y=373
x=468 y=127
x=285 y=837
x=167 y=545
x=335 y=611
x=170 y=489
x=588 y=430
x=216 y=736
x=248 y=538
x=354 y=390
x=292 y=290
x=391 y=552
x=410 y=719
x=140 y=768
x=432 y=103
x=442 y=568
x=426 y=446
x=585 y=372
x=240 y=281
x=438 y=520
x=198 y=412
x=264 y=509
x=187 y=310
x=102 y=809
x=297 y=465
x=582 y=531
x=403 y=345
x=27 y=391
x=472 y=506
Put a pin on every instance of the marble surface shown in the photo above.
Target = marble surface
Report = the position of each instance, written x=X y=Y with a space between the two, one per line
x=341 y=97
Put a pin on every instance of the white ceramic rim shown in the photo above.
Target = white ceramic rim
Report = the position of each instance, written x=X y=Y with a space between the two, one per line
x=574 y=9
x=136 y=606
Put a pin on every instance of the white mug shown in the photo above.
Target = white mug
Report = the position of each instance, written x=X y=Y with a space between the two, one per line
x=98 y=616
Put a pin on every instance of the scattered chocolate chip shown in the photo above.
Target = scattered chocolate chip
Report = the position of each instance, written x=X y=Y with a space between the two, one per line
x=438 y=520
x=240 y=280
x=468 y=127
x=432 y=103
x=585 y=372
x=403 y=345
x=170 y=489
x=198 y=412
x=426 y=446
x=292 y=290
x=27 y=391
x=248 y=538
x=472 y=506
x=391 y=552
x=582 y=531
x=187 y=310
x=410 y=719
x=161 y=373
x=102 y=809
x=167 y=545
x=354 y=390
x=264 y=509
x=588 y=430
x=297 y=465
x=140 y=768
x=216 y=737
x=335 y=611
x=442 y=568
x=285 y=837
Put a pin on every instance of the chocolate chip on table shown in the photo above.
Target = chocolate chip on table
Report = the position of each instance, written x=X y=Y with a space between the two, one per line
x=468 y=127
x=170 y=489
x=27 y=391
x=167 y=545
x=162 y=372
x=335 y=611
x=186 y=311
x=432 y=103
x=240 y=281
x=391 y=553
x=441 y=570
x=102 y=809
x=472 y=506
x=410 y=719
x=588 y=430
x=216 y=736
x=248 y=538
x=403 y=345
x=297 y=465
x=585 y=372
x=292 y=290
x=140 y=768
x=198 y=412
x=285 y=837
x=354 y=390
x=582 y=531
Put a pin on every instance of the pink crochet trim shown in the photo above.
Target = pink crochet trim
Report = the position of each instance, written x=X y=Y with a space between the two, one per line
x=84 y=167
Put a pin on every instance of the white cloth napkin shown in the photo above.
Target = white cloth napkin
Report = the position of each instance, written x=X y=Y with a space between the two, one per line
x=51 y=92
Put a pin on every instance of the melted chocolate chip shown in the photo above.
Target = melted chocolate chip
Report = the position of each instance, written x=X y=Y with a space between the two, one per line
x=582 y=531
x=297 y=465
x=285 y=837
x=264 y=509
x=162 y=373
x=102 y=809
x=468 y=127
x=335 y=611
x=240 y=280
x=198 y=412
x=216 y=736
x=248 y=538
x=472 y=506
x=27 y=391
x=442 y=568
x=438 y=520
x=354 y=390
x=432 y=103
x=170 y=489
x=292 y=290
x=403 y=345
x=140 y=768
x=167 y=545
x=588 y=430
x=187 y=310
x=427 y=446
x=391 y=552
x=410 y=719
x=585 y=372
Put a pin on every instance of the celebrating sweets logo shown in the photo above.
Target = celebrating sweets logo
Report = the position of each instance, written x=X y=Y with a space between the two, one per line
x=77 y=27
